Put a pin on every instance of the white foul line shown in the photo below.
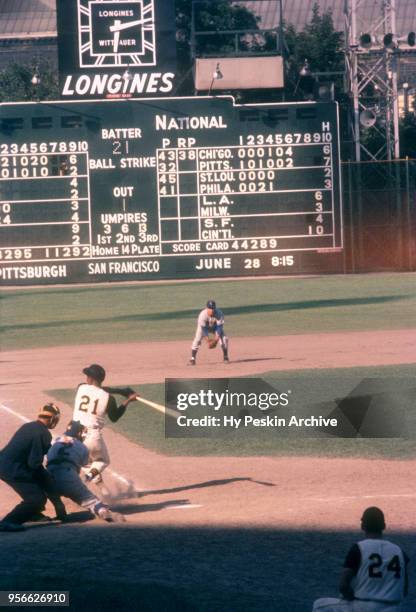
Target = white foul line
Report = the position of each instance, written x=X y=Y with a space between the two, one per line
x=347 y=497
x=16 y=414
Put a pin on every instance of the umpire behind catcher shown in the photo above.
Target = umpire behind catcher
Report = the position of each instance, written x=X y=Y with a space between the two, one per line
x=21 y=467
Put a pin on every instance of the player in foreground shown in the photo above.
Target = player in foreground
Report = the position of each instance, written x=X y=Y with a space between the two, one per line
x=92 y=404
x=65 y=459
x=374 y=578
x=210 y=321
x=21 y=467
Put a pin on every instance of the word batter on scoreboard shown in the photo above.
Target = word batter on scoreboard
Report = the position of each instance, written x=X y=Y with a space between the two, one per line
x=178 y=188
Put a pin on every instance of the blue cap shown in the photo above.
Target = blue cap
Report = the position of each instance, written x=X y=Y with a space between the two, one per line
x=211 y=304
x=74 y=429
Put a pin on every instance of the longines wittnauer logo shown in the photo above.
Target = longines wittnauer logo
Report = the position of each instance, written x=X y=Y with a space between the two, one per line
x=112 y=33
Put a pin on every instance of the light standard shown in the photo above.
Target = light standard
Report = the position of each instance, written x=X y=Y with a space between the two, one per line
x=35 y=80
x=306 y=81
x=406 y=98
x=216 y=76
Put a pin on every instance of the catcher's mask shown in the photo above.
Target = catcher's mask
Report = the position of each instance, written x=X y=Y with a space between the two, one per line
x=75 y=430
x=51 y=412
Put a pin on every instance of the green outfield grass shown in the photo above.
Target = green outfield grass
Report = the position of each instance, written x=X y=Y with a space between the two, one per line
x=146 y=427
x=99 y=314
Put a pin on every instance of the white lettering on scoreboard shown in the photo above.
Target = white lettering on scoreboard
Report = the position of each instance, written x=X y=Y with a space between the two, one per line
x=115 y=84
x=137 y=195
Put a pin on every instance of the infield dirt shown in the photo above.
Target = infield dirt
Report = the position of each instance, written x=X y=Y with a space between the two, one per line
x=197 y=527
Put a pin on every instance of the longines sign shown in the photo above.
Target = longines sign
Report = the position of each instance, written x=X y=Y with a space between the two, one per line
x=116 y=48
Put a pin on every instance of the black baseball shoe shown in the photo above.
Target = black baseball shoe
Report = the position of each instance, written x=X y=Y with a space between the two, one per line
x=61 y=514
x=192 y=361
x=226 y=359
x=40 y=518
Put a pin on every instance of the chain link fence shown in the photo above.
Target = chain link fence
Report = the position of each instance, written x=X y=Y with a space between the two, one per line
x=379 y=215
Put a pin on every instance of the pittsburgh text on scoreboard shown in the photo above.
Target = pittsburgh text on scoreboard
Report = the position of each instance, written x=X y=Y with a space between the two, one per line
x=178 y=188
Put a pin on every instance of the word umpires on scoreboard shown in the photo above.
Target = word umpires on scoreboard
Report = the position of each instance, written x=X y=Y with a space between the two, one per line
x=177 y=188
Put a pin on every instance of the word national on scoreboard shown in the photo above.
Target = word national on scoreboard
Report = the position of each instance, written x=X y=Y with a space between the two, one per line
x=167 y=188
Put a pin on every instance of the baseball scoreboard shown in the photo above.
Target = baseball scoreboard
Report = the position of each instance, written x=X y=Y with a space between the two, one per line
x=167 y=188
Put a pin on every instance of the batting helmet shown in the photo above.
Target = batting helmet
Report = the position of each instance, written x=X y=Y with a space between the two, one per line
x=51 y=412
x=95 y=371
x=373 y=520
x=211 y=304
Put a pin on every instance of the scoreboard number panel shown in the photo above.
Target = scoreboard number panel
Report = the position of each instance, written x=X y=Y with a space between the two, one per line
x=167 y=188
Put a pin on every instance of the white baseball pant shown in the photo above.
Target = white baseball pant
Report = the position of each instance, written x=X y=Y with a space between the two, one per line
x=99 y=456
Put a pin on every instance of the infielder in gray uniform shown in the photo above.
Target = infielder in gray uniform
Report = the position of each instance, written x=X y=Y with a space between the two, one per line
x=210 y=321
x=65 y=459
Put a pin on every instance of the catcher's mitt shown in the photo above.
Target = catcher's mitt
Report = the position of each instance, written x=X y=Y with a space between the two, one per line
x=212 y=342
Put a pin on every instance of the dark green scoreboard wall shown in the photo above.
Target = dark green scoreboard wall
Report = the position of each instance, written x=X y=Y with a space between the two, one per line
x=162 y=189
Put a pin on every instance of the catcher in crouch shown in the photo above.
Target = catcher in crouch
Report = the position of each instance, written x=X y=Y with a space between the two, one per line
x=210 y=323
x=93 y=403
x=65 y=459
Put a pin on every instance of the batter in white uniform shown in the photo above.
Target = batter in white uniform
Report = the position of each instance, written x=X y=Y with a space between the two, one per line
x=92 y=405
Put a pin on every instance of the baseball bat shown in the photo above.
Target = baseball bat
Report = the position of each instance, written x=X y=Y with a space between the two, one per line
x=158 y=407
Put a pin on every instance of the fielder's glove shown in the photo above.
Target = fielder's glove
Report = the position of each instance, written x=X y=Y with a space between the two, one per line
x=212 y=342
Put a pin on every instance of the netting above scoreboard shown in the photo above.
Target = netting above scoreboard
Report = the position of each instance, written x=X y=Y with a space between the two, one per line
x=167 y=188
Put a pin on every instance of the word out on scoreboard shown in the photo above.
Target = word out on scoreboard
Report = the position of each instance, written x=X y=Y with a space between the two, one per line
x=164 y=189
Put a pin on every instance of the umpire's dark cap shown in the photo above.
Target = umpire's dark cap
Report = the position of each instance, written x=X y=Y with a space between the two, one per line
x=95 y=371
